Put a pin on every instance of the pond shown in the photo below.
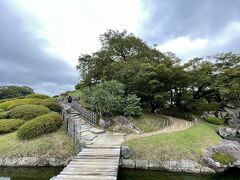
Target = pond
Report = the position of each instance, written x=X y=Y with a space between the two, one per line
x=124 y=174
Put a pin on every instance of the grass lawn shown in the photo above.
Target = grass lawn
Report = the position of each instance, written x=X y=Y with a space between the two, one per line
x=56 y=144
x=147 y=122
x=187 y=144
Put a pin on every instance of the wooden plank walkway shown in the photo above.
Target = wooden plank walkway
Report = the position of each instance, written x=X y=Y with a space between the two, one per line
x=95 y=162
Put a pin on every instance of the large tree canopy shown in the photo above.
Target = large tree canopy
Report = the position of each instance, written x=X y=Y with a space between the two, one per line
x=160 y=79
x=14 y=91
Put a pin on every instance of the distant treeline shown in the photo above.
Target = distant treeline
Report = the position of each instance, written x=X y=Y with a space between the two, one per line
x=14 y=91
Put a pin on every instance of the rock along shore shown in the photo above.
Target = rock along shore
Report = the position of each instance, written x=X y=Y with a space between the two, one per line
x=184 y=166
x=33 y=161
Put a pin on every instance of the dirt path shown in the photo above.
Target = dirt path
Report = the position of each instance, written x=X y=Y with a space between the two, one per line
x=177 y=125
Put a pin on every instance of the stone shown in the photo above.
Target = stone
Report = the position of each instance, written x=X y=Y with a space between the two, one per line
x=189 y=166
x=227 y=131
x=174 y=166
x=158 y=165
x=206 y=170
x=127 y=163
x=105 y=123
x=225 y=146
x=126 y=152
x=123 y=120
x=142 y=164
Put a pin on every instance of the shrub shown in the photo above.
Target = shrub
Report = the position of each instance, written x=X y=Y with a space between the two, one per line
x=132 y=106
x=223 y=158
x=174 y=112
x=9 y=125
x=215 y=120
x=3 y=115
x=37 y=96
x=13 y=103
x=52 y=104
x=209 y=106
x=27 y=112
x=41 y=125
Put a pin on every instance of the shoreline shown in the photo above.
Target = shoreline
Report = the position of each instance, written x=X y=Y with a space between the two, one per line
x=33 y=162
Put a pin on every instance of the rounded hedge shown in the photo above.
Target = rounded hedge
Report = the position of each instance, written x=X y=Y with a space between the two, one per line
x=27 y=112
x=3 y=115
x=215 y=120
x=9 y=125
x=52 y=104
x=223 y=158
x=40 y=125
x=13 y=103
x=37 y=96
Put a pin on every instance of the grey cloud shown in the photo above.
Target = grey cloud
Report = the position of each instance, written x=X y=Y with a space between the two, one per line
x=194 y=18
x=23 y=59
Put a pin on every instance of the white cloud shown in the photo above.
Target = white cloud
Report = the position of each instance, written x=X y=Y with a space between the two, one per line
x=187 y=48
x=73 y=26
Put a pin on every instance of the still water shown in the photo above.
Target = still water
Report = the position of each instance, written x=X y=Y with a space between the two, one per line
x=47 y=173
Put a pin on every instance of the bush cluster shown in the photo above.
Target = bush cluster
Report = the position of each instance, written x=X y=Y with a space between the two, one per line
x=27 y=111
x=13 y=103
x=215 y=120
x=37 y=96
x=9 y=125
x=52 y=104
x=40 y=125
x=174 y=112
x=214 y=106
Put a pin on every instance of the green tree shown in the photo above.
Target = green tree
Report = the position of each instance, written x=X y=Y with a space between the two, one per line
x=108 y=98
x=14 y=91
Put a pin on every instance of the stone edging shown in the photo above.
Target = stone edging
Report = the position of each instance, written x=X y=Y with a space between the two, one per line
x=184 y=166
x=33 y=161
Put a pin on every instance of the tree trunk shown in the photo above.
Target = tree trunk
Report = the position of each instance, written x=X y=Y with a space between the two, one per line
x=153 y=107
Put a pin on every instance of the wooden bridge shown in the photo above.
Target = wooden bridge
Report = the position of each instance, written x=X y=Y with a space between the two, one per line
x=99 y=159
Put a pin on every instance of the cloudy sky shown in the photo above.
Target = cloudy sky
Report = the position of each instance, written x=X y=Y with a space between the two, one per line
x=40 y=40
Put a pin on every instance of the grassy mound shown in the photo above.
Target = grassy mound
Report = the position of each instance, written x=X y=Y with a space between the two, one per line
x=187 y=144
x=41 y=125
x=37 y=96
x=52 y=104
x=215 y=120
x=27 y=112
x=3 y=115
x=13 y=103
x=9 y=125
x=54 y=145
x=223 y=158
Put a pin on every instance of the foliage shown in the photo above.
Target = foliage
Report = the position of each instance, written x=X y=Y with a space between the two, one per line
x=214 y=106
x=13 y=103
x=3 y=115
x=174 y=112
x=132 y=106
x=108 y=97
x=159 y=79
x=215 y=120
x=14 y=91
x=40 y=125
x=27 y=112
x=9 y=125
x=37 y=96
x=52 y=105
x=223 y=158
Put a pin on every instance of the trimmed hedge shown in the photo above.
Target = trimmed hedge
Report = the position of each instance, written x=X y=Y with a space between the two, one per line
x=9 y=125
x=27 y=111
x=13 y=103
x=37 y=96
x=41 y=125
x=52 y=104
x=3 y=115
x=215 y=120
x=214 y=106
